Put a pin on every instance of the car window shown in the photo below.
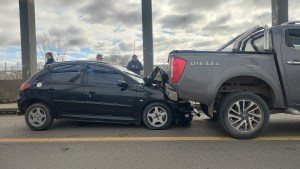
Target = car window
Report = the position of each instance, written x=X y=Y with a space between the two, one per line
x=293 y=38
x=66 y=73
x=134 y=76
x=255 y=44
x=99 y=75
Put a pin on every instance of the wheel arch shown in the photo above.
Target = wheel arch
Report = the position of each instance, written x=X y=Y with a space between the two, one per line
x=252 y=72
x=247 y=84
x=33 y=101
x=159 y=101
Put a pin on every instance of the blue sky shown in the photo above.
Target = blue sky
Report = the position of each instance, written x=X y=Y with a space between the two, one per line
x=111 y=27
x=11 y=53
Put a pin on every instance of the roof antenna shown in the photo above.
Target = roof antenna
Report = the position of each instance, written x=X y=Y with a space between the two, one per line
x=261 y=20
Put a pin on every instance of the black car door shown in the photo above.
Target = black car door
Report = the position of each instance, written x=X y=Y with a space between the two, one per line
x=105 y=98
x=65 y=89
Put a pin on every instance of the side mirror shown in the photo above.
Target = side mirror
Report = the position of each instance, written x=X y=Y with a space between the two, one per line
x=122 y=84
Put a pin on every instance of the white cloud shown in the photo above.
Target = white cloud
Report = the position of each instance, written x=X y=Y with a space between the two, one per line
x=111 y=27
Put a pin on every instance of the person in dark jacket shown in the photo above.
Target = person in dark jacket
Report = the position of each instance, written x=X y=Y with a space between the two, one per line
x=99 y=57
x=49 y=57
x=135 y=65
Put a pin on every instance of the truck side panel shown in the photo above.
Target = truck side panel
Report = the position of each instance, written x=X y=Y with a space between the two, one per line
x=205 y=72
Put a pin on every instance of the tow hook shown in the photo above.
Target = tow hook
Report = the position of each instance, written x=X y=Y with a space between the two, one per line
x=195 y=112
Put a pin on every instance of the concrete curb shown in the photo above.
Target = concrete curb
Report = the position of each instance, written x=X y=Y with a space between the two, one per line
x=8 y=109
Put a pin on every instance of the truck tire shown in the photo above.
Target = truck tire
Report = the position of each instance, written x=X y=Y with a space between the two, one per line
x=38 y=117
x=157 y=116
x=243 y=115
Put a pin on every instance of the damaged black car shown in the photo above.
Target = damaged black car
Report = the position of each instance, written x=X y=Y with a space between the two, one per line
x=100 y=92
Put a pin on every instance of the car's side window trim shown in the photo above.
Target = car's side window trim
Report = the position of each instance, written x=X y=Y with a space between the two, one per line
x=85 y=78
x=73 y=64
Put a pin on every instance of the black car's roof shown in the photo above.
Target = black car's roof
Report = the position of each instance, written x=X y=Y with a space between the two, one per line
x=110 y=64
x=81 y=62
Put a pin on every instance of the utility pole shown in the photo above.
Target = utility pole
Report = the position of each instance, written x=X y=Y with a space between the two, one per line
x=134 y=47
x=17 y=71
x=28 y=38
x=279 y=11
x=147 y=36
x=5 y=72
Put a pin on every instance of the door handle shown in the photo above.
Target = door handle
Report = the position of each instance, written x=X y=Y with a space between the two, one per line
x=293 y=62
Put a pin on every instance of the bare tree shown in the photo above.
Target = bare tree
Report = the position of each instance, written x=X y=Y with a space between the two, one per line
x=60 y=48
x=56 y=45
x=118 y=59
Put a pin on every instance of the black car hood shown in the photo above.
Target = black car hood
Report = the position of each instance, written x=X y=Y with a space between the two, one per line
x=158 y=70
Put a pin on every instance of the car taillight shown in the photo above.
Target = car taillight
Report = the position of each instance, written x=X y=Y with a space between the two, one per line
x=177 y=68
x=25 y=86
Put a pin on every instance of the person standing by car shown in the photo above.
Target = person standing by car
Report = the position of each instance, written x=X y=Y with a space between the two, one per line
x=99 y=57
x=135 y=65
x=50 y=58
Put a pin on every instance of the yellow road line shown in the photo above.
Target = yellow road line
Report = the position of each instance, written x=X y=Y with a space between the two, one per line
x=119 y=139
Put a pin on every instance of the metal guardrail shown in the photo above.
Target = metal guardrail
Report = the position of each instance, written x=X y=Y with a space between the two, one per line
x=10 y=75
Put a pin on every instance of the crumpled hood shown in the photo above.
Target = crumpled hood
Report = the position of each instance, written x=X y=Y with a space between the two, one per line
x=157 y=70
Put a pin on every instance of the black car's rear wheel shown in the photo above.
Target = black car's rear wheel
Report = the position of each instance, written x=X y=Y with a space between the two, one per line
x=157 y=116
x=38 y=117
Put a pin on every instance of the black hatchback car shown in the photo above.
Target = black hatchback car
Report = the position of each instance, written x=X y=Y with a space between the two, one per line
x=101 y=92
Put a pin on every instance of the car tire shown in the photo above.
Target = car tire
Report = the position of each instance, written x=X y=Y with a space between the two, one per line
x=243 y=115
x=38 y=117
x=157 y=116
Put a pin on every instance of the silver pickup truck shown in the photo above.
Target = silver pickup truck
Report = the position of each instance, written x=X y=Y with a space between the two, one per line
x=243 y=82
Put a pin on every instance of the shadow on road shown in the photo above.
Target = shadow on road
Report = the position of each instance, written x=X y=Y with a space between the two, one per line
x=280 y=125
x=14 y=126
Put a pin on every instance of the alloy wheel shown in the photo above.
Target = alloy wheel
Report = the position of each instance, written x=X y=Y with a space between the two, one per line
x=37 y=117
x=157 y=116
x=245 y=116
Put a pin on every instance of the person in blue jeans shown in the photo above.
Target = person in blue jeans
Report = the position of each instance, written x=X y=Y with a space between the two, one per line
x=135 y=65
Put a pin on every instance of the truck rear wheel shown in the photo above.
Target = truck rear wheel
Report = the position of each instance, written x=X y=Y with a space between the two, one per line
x=243 y=115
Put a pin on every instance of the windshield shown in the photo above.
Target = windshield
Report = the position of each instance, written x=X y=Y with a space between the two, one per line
x=134 y=76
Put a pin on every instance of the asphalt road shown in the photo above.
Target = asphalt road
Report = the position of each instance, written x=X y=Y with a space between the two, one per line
x=203 y=144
